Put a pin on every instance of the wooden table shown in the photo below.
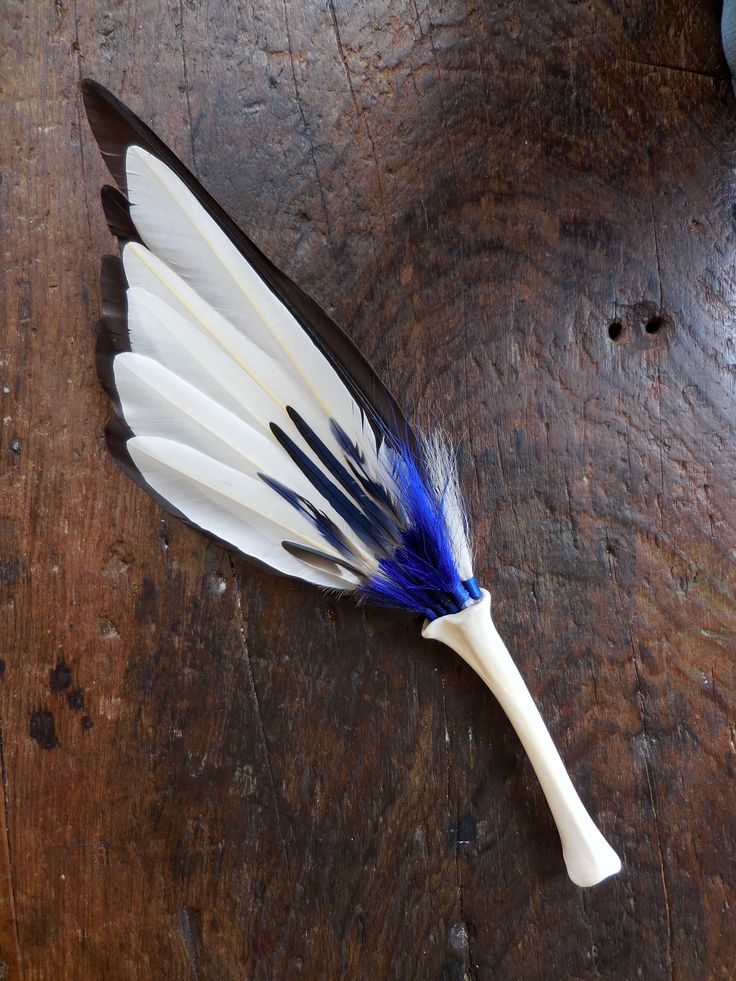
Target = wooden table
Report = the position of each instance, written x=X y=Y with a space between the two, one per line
x=525 y=215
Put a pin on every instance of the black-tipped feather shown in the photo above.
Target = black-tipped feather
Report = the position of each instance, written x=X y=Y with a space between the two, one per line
x=356 y=461
x=105 y=352
x=373 y=511
x=318 y=559
x=112 y=338
x=324 y=525
x=116 y=128
x=117 y=214
x=112 y=329
x=113 y=286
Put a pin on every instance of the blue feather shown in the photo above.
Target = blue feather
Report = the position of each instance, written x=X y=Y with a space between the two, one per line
x=421 y=575
x=415 y=566
x=373 y=511
x=360 y=523
x=324 y=525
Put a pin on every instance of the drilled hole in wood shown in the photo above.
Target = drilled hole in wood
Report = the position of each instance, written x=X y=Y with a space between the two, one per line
x=615 y=330
x=654 y=325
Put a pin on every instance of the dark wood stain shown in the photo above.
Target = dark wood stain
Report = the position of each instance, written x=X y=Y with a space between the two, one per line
x=9 y=571
x=75 y=699
x=42 y=729
x=60 y=676
x=248 y=779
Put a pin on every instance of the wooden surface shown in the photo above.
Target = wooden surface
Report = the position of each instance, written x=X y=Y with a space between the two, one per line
x=211 y=773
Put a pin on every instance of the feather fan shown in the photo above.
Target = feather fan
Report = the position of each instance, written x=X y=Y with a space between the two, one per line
x=243 y=409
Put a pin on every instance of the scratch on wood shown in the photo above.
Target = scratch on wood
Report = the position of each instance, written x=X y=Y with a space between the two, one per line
x=307 y=131
x=661 y=66
x=256 y=703
x=456 y=844
x=185 y=73
x=7 y=858
x=654 y=803
x=81 y=124
x=647 y=769
x=190 y=924
x=359 y=112
x=445 y=127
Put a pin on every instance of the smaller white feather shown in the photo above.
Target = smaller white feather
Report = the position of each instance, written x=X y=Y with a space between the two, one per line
x=156 y=402
x=159 y=332
x=443 y=477
x=240 y=510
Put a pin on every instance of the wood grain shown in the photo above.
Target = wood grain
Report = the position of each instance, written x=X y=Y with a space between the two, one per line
x=213 y=773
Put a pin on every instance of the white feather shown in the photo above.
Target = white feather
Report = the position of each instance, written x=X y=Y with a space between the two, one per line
x=268 y=388
x=158 y=332
x=158 y=403
x=181 y=233
x=240 y=510
x=216 y=358
x=442 y=472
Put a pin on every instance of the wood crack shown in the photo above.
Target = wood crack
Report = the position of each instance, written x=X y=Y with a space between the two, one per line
x=659 y=383
x=80 y=124
x=647 y=768
x=663 y=66
x=185 y=73
x=256 y=703
x=307 y=132
x=654 y=802
x=458 y=866
x=360 y=113
x=445 y=127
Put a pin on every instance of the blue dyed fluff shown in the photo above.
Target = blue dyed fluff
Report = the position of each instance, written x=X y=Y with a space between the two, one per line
x=420 y=575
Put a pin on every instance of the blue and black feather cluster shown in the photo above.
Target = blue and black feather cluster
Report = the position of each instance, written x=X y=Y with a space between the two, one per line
x=421 y=575
x=402 y=523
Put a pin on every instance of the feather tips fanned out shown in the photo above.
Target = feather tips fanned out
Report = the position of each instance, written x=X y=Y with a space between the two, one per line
x=244 y=409
x=116 y=129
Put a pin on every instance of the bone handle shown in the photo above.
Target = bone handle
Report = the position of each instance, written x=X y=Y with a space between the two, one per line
x=471 y=633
